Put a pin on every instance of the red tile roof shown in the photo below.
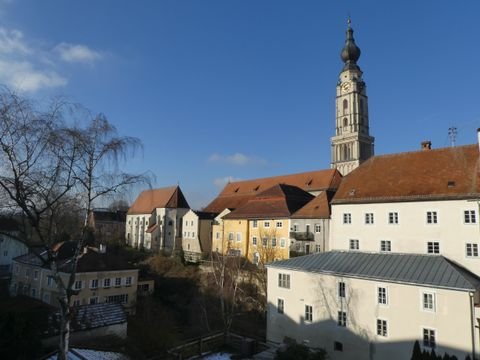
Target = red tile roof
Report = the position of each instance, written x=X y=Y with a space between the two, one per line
x=441 y=174
x=318 y=208
x=236 y=194
x=279 y=201
x=169 y=197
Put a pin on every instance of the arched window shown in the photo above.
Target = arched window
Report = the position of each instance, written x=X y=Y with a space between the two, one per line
x=345 y=152
x=345 y=105
x=345 y=122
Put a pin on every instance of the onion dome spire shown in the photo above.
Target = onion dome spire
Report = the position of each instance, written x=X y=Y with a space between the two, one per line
x=350 y=52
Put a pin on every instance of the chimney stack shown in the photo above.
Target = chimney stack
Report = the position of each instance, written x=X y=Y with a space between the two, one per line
x=427 y=145
x=478 y=137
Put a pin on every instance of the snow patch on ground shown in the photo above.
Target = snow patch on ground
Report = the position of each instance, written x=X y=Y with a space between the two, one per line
x=218 y=356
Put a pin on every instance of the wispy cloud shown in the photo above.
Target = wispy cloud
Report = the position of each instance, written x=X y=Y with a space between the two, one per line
x=237 y=159
x=77 y=53
x=28 y=66
x=221 y=182
x=22 y=75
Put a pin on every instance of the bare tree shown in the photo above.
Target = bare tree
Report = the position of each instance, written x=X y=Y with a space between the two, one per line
x=44 y=165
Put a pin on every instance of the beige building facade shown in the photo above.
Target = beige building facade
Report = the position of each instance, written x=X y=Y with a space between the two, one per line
x=369 y=306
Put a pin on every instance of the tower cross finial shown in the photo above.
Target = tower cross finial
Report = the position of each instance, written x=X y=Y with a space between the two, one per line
x=349 y=20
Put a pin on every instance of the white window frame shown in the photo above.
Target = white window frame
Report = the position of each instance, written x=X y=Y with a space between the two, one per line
x=94 y=284
x=473 y=249
x=369 y=218
x=354 y=244
x=254 y=240
x=342 y=318
x=428 y=343
x=238 y=237
x=105 y=281
x=435 y=246
x=347 y=218
x=279 y=224
x=255 y=224
x=431 y=306
x=283 y=242
x=317 y=228
x=280 y=306
x=381 y=296
x=469 y=217
x=341 y=290
x=308 y=313
x=431 y=217
x=118 y=282
x=382 y=327
x=393 y=218
x=284 y=280
x=266 y=224
x=273 y=241
x=385 y=245
x=295 y=227
x=231 y=236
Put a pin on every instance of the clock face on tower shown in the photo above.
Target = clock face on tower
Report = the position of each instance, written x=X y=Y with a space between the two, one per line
x=346 y=87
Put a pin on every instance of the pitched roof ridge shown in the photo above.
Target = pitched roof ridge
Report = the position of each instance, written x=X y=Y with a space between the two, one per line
x=277 y=176
x=422 y=151
x=462 y=271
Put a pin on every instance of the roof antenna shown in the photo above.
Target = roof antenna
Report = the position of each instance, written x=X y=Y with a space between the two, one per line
x=452 y=133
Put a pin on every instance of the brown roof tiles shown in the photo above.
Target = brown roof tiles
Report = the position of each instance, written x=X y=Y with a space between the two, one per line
x=169 y=197
x=236 y=194
x=318 y=208
x=441 y=174
x=279 y=201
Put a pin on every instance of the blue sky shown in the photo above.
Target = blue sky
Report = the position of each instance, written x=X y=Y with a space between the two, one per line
x=220 y=89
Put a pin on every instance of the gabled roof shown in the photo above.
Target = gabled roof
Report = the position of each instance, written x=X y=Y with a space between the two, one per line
x=426 y=270
x=204 y=215
x=441 y=174
x=237 y=193
x=169 y=197
x=318 y=208
x=279 y=201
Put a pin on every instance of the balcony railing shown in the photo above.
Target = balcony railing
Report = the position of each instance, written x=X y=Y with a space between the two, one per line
x=302 y=236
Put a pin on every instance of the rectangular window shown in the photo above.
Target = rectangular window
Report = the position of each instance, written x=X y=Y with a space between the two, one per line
x=433 y=247
x=279 y=224
x=119 y=299
x=429 y=338
x=432 y=217
x=347 y=218
x=385 y=245
x=239 y=237
x=264 y=242
x=341 y=289
x=77 y=285
x=94 y=284
x=342 y=318
x=50 y=281
x=382 y=327
x=369 y=218
x=470 y=217
x=393 y=217
x=230 y=236
x=266 y=224
x=282 y=242
x=34 y=292
x=193 y=234
x=354 y=244
x=255 y=224
x=280 y=306
x=118 y=282
x=35 y=274
x=295 y=227
x=284 y=281
x=46 y=298
x=94 y=300
x=128 y=281
x=274 y=242
x=106 y=283
x=428 y=300
x=254 y=240
x=318 y=228
x=382 y=295
x=472 y=250
x=308 y=313
x=217 y=235
x=337 y=346
x=318 y=248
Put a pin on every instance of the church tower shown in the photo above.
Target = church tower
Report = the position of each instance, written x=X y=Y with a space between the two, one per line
x=352 y=143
